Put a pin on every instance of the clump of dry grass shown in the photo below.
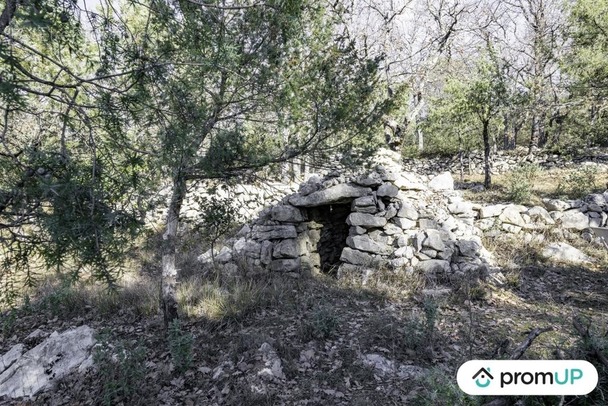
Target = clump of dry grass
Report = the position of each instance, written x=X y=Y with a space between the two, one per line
x=220 y=301
x=398 y=284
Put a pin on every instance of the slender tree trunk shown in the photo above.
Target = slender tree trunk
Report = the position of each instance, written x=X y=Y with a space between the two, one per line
x=486 y=154
x=169 y=250
x=534 y=133
x=420 y=139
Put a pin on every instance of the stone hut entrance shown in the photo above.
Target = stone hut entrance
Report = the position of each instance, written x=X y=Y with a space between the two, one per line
x=332 y=232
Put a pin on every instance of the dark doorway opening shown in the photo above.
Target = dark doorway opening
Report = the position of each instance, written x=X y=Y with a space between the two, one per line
x=332 y=234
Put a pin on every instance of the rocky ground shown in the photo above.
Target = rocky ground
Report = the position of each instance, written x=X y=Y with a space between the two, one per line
x=320 y=341
x=390 y=338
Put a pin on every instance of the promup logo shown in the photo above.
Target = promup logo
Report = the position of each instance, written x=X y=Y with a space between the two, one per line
x=504 y=378
x=483 y=375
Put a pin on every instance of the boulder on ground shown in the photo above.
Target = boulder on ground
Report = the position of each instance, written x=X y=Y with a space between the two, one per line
x=46 y=363
x=562 y=252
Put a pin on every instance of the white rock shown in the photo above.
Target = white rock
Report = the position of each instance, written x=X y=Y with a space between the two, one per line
x=574 y=219
x=272 y=363
x=491 y=211
x=46 y=363
x=11 y=356
x=511 y=215
x=443 y=181
x=562 y=252
x=433 y=240
x=556 y=205
x=539 y=213
x=432 y=266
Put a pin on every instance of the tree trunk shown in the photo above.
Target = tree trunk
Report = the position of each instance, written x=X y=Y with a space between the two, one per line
x=169 y=250
x=486 y=154
x=534 y=133
x=420 y=139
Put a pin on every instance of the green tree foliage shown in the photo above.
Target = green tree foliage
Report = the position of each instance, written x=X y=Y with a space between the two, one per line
x=465 y=115
x=587 y=67
x=67 y=184
x=154 y=90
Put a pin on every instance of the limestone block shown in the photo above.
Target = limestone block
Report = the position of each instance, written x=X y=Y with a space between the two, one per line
x=538 y=213
x=485 y=224
x=431 y=253
x=224 y=256
x=285 y=265
x=574 y=219
x=277 y=232
x=511 y=215
x=468 y=248
x=340 y=193
x=365 y=220
x=285 y=249
x=286 y=214
x=443 y=181
x=428 y=224
x=387 y=190
x=11 y=356
x=365 y=243
x=356 y=230
x=555 y=205
x=491 y=211
x=562 y=252
x=407 y=252
x=407 y=211
x=372 y=179
x=391 y=211
x=461 y=208
x=392 y=229
x=510 y=228
x=247 y=248
x=403 y=223
x=356 y=257
x=266 y=252
x=47 y=363
x=433 y=240
x=433 y=267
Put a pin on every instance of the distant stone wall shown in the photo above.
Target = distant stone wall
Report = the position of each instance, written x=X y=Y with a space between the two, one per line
x=502 y=161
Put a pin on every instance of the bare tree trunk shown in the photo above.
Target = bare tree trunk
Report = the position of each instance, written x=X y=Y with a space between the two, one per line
x=534 y=133
x=169 y=250
x=486 y=154
x=420 y=139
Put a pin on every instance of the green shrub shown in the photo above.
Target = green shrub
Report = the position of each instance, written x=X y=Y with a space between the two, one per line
x=578 y=183
x=521 y=181
x=121 y=370
x=64 y=300
x=322 y=325
x=180 y=346
x=8 y=323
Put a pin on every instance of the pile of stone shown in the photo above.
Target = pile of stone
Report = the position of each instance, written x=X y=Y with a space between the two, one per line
x=383 y=218
x=571 y=215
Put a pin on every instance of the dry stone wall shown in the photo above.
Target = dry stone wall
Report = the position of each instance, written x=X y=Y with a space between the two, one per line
x=344 y=224
x=503 y=161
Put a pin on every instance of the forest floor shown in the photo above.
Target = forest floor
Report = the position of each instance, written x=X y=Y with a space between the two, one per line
x=395 y=340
